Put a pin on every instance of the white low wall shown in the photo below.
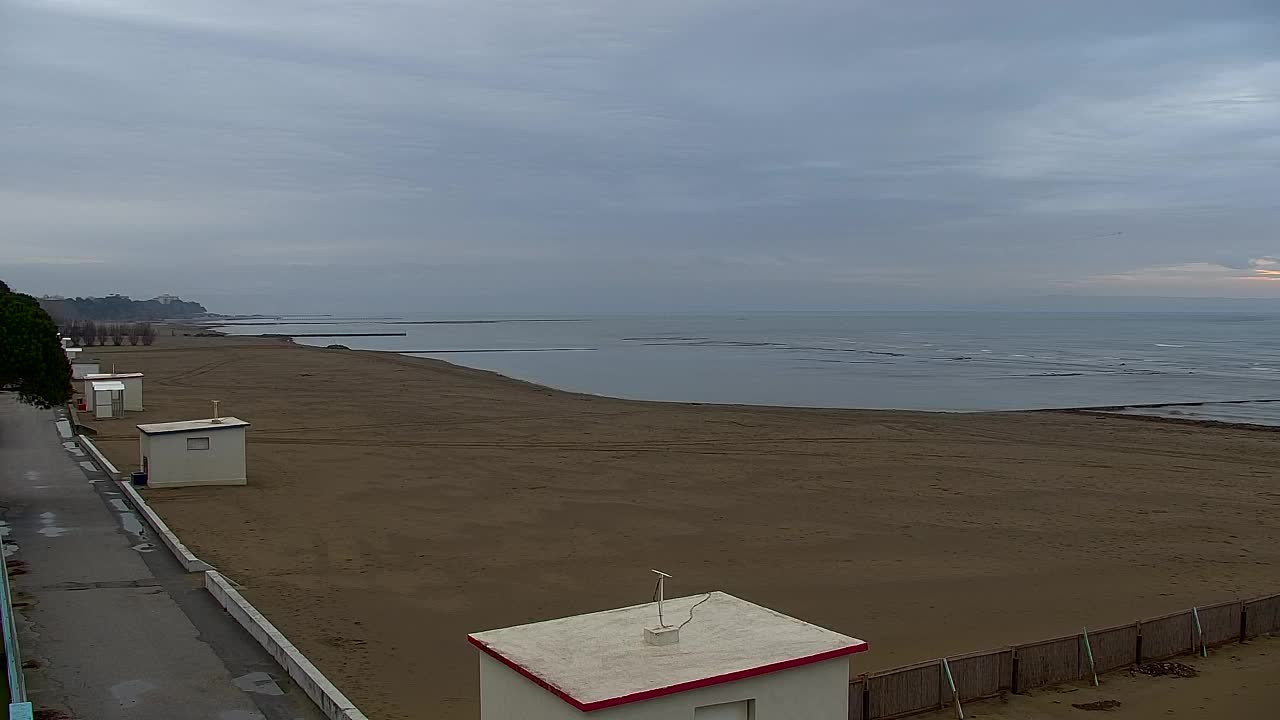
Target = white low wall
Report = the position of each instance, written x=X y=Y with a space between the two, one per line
x=328 y=698
x=185 y=557
x=98 y=457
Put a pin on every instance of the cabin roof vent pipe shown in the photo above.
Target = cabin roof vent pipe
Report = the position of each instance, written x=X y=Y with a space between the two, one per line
x=217 y=419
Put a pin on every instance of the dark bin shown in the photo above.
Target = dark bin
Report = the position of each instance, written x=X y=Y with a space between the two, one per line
x=139 y=478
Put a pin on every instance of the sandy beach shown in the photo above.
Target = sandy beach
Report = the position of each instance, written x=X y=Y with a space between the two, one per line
x=396 y=504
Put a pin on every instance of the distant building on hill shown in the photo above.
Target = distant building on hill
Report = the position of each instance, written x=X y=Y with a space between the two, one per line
x=167 y=299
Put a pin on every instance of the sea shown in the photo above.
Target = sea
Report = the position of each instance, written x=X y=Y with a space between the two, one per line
x=1202 y=366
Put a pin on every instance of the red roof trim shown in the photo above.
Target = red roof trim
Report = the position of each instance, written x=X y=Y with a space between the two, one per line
x=670 y=689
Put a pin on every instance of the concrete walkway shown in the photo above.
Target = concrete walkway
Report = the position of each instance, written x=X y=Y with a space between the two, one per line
x=114 y=627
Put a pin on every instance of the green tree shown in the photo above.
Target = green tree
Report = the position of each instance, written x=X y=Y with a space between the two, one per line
x=31 y=358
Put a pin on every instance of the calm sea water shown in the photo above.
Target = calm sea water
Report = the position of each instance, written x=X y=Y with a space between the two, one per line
x=921 y=361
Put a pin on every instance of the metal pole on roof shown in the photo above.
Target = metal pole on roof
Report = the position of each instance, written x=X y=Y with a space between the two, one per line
x=661 y=587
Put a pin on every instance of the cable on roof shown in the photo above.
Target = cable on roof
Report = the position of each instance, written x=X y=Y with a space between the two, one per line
x=695 y=607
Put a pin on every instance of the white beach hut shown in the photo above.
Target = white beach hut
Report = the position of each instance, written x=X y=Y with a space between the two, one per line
x=193 y=452
x=72 y=353
x=108 y=398
x=728 y=660
x=132 y=388
x=82 y=368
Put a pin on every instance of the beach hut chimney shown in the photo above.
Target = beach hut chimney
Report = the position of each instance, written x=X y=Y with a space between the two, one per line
x=216 y=418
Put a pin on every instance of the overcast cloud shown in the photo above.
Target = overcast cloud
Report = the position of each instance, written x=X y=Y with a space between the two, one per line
x=571 y=155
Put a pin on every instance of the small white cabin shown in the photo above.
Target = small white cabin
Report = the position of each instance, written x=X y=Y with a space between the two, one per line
x=728 y=660
x=132 y=389
x=72 y=353
x=108 y=398
x=193 y=452
x=82 y=368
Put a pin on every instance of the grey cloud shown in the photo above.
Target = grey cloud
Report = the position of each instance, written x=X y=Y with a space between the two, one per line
x=815 y=155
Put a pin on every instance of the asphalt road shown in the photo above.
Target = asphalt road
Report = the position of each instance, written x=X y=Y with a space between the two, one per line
x=112 y=625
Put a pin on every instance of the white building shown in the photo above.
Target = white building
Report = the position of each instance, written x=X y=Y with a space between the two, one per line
x=132 y=388
x=193 y=452
x=82 y=368
x=72 y=352
x=108 y=398
x=731 y=660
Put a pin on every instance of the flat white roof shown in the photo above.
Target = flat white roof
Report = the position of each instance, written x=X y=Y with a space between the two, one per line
x=192 y=425
x=601 y=660
x=110 y=376
x=107 y=385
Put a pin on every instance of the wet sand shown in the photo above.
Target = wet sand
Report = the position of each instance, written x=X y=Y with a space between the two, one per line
x=396 y=504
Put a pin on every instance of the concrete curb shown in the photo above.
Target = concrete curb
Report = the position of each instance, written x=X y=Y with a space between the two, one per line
x=328 y=698
x=97 y=455
x=185 y=557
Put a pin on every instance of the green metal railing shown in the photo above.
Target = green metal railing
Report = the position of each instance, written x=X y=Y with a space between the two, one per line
x=19 y=707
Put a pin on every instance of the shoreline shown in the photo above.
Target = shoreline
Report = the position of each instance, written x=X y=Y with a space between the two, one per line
x=397 y=503
x=1112 y=409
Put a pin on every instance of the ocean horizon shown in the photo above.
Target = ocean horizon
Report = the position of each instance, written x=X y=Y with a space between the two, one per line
x=1222 y=366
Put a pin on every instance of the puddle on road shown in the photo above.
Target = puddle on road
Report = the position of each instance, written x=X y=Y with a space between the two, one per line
x=119 y=505
x=258 y=682
x=64 y=428
x=130 y=692
x=132 y=525
x=50 y=529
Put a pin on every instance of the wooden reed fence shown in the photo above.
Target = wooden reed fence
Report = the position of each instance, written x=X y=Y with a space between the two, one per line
x=924 y=687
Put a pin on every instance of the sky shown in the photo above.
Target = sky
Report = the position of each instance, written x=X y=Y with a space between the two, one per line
x=614 y=155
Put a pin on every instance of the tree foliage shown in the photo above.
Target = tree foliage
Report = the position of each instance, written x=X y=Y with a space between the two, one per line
x=31 y=358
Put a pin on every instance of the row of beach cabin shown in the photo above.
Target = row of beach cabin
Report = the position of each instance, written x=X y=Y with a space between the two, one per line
x=106 y=395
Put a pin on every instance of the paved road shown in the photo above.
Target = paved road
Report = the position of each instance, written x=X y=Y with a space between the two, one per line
x=117 y=629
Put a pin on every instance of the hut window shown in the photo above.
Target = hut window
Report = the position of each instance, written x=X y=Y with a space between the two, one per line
x=198 y=443
x=741 y=710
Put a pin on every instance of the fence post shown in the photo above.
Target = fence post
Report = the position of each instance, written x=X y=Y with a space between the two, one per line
x=1244 y=620
x=1013 y=681
x=1138 y=650
x=1195 y=613
x=955 y=696
x=1088 y=649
